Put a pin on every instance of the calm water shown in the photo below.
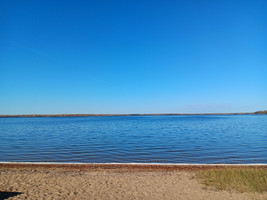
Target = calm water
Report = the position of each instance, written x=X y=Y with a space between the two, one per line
x=161 y=139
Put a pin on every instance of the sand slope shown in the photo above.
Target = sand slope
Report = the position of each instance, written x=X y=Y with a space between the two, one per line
x=108 y=184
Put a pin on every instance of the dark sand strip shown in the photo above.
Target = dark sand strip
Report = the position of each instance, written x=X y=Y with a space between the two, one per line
x=151 y=166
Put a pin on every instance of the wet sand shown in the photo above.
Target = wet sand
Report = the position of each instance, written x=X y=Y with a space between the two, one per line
x=26 y=181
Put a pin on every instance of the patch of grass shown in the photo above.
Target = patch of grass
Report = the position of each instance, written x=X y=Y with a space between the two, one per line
x=239 y=179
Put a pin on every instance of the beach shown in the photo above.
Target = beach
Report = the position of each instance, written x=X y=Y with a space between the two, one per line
x=108 y=182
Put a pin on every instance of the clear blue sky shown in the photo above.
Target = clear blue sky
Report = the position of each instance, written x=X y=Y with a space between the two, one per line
x=132 y=56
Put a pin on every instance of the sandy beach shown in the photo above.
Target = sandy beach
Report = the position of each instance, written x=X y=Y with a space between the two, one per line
x=98 y=182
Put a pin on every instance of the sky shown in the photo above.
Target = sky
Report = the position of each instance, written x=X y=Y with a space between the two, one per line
x=132 y=56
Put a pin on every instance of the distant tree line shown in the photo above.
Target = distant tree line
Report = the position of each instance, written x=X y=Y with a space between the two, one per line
x=88 y=115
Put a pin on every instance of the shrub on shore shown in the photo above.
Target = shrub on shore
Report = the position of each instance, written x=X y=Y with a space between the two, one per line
x=261 y=112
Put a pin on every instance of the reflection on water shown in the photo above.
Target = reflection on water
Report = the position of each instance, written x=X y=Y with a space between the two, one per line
x=161 y=139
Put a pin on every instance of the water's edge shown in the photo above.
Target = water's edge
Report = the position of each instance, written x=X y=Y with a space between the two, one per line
x=137 y=164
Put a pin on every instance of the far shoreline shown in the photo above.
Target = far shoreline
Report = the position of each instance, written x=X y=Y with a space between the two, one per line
x=156 y=114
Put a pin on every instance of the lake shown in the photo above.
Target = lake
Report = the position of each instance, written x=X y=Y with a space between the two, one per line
x=142 y=139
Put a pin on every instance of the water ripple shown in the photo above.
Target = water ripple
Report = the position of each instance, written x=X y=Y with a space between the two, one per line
x=166 y=139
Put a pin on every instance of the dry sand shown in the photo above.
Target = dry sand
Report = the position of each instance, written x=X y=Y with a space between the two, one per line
x=107 y=183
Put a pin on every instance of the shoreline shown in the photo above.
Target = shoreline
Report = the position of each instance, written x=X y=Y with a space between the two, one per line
x=133 y=166
x=106 y=115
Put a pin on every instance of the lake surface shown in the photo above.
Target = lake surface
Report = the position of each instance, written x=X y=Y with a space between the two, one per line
x=142 y=139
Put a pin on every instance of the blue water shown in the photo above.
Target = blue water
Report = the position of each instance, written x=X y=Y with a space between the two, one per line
x=149 y=139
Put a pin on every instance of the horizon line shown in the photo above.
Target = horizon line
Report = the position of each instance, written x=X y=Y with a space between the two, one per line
x=140 y=114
